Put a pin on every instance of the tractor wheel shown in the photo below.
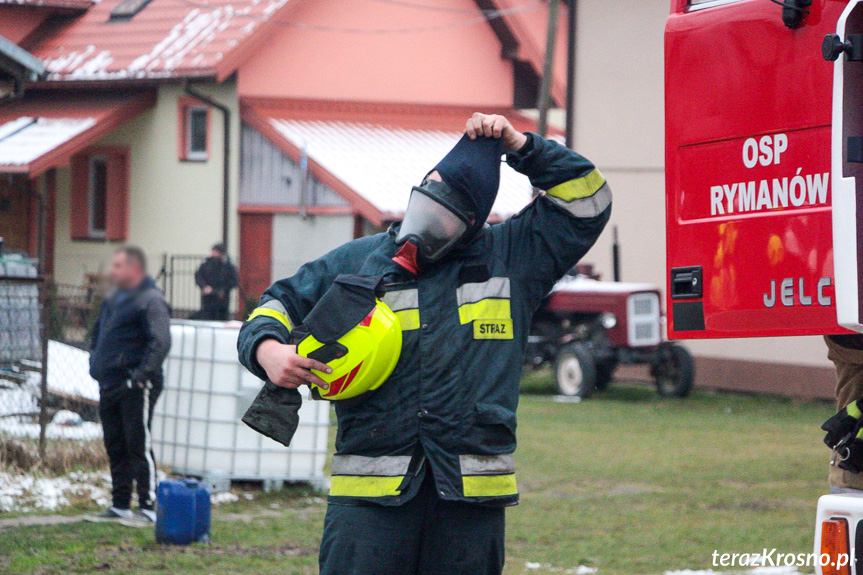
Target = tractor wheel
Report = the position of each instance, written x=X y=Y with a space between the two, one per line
x=575 y=371
x=674 y=371
x=605 y=373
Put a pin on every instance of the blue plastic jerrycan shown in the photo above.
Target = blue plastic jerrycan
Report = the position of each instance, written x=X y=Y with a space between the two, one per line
x=182 y=512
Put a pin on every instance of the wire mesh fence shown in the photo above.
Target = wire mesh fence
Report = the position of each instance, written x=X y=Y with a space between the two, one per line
x=46 y=392
x=47 y=396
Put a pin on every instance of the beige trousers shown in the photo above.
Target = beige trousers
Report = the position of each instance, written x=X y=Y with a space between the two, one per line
x=849 y=387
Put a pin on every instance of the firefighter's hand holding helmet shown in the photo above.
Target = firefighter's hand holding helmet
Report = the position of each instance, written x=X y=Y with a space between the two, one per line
x=286 y=368
x=495 y=126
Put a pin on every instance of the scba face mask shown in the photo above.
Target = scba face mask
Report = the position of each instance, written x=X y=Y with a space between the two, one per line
x=437 y=218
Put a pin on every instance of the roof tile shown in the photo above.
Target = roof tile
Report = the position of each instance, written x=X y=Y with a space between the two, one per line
x=167 y=39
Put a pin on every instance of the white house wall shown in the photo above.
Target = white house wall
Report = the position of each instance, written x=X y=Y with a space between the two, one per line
x=297 y=240
x=175 y=206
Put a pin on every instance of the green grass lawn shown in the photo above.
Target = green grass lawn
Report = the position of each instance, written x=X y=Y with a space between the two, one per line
x=626 y=482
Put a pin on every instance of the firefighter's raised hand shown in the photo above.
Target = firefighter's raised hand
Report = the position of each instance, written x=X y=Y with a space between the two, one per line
x=495 y=126
x=286 y=368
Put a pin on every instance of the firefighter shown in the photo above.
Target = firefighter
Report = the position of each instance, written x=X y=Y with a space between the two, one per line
x=424 y=464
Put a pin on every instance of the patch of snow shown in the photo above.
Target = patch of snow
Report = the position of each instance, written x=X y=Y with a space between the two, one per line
x=223 y=497
x=87 y=431
x=68 y=375
x=95 y=67
x=69 y=372
x=67 y=418
x=40 y=137
x=582 y=284
x=24 y=493
x=580 y=570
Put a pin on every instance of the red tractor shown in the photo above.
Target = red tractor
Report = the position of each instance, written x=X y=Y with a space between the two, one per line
x=587 y=328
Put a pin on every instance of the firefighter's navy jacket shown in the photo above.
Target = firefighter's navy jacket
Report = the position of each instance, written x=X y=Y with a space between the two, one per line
x=451 y=401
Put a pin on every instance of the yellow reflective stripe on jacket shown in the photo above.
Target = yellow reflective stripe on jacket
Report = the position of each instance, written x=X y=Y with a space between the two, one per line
x=409 y=319
x=364 y=486
x=853 y=410
x=405 y=304
x=272 y=310
x=361 y=476
x=485 y=309
x=578 y=188
x=495 y=288
x=489 y=485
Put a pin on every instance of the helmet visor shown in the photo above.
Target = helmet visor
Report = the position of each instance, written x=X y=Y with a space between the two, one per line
x=435 y=226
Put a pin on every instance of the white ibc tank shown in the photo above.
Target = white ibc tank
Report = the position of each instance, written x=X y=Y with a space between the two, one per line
x=196 y=425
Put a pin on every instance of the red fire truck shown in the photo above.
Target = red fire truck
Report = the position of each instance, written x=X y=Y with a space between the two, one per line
x=764 y=163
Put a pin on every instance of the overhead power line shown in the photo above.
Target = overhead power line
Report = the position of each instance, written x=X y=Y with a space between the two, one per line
x=430 y=7
x=485 y=16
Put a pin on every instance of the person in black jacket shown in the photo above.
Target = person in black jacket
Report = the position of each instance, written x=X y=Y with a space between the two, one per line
x=131 y=339
x=216 y=277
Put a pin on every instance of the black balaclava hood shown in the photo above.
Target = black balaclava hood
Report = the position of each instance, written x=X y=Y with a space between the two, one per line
x=472 y=168
x=471 y=177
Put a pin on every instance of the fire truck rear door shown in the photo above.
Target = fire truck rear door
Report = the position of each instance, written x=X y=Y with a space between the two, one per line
x=748 y=162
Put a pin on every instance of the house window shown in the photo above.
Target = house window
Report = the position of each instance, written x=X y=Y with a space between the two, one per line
x=99 y=194
x=97 y=197
x=194 y=131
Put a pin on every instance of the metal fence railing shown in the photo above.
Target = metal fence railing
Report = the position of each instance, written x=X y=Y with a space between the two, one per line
x=177 y=280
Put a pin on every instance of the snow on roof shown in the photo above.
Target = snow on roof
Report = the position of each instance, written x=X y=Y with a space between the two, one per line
x=26 y=139
x=580 y=284
x=166 y=39
x=43 y=131
x=383 y=162
x=64 y=4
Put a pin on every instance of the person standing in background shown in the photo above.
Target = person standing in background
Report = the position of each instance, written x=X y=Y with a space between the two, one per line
x=131 y=339
x=216 y=278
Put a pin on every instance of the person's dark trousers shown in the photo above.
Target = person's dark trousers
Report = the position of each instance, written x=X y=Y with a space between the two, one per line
x=212 y=309
x=425 y=536
x=127 y=415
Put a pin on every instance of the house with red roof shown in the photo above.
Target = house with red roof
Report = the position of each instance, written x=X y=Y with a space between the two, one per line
x=282 y=127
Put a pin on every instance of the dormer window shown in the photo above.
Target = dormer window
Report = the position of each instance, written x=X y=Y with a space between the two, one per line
x=127 y=9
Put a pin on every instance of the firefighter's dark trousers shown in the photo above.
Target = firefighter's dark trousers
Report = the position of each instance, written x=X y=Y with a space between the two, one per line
x=126 y=415
x=425 y=536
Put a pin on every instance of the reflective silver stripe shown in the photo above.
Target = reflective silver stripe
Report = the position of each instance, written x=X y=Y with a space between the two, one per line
x=497 y=288
x=275 y=305
x=587 y=207
x=487 y=464
x=403 y=299
x=386 y=466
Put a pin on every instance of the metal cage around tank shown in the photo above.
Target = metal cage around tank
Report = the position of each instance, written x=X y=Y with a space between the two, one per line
x=197 y=427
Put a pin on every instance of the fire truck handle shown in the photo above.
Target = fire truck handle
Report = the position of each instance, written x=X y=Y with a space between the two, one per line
x=833 y=47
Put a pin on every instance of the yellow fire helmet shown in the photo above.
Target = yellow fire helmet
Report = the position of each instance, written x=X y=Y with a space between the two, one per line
x=362 y=359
